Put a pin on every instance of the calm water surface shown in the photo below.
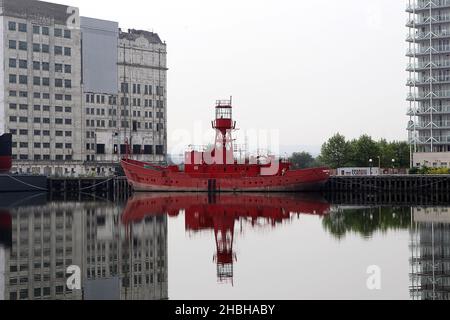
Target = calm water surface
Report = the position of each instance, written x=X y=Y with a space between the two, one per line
x=195 y=246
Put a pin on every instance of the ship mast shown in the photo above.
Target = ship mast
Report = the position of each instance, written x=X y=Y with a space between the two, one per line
x=224 y=124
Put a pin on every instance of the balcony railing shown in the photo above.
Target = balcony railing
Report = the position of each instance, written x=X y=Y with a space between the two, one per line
x=427 y=80
x=410 y=22
x=421 y=36
x=428 y=50
x=436 y=139
x=427 y=65
x=428 y=126
x=426 y=4
x=428 y=95
x=427 y=110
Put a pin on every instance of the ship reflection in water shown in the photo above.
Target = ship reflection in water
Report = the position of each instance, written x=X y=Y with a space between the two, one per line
x=220 y=213
x=281 y=246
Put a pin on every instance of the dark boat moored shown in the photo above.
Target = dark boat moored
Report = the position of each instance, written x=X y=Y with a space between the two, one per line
x=5 y=152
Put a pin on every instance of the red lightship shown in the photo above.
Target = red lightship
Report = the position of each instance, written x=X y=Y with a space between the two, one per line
x=217 y=170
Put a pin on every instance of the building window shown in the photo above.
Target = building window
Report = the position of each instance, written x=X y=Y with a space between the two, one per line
x=45 y=48
x=45 y=31
x=36 y=29
x=23 y=45
x=13 y=106
x=58 y=83
x=45 y=66
x=46 y=82
x=67 y=51
x=37 y=81
x=12 y=78
x=159 y=150
x=36 y=47
x=36 y=65
x=12 y=63
x=11 y=26
x=58 y=50
x=13 y=93
x=58 y=67
x=22 y=27
x=68 y=83
x=12 y=44
x=23 y=79
x=23 y=64
x=58 y=32
x=67 y=68
x=67 y=34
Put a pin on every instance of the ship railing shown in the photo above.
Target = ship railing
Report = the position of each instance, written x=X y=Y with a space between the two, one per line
x=223 y=103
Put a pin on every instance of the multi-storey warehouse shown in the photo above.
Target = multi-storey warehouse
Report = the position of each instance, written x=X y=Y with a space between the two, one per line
x=74 y=90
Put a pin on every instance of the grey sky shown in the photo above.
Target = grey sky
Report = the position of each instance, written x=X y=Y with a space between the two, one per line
x=308 y=68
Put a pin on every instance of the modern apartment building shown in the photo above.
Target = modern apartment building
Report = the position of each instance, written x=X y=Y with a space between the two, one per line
x=75 y=89
x=429 y=81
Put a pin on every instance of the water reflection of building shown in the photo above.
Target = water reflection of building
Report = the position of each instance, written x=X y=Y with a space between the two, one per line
x=221 y=213
x=116 y=262
x=131 y=260
x=44 y=244
x=430 y=254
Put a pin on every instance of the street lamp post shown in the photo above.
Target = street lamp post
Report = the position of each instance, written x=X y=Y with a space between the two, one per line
x=370 y=162
x=393 y=163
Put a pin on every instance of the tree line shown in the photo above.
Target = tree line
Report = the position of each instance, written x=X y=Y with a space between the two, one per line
x=339 y=152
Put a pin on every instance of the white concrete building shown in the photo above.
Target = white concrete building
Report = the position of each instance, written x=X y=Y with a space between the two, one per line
x=75 y=89
x=40 y=75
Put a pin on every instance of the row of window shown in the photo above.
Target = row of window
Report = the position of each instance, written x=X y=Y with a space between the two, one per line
x=38 y=157
x=91 y=98
x=38 y=95
x=22 y=27
x=37 y=65
x=37 y=107
x=38 y=81
x=45 y=145
x=37 y=47
x=59 y=121
x=147 y=89
x=124 y=101
x=137 y=149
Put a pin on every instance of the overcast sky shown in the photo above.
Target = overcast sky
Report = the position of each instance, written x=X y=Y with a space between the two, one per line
x=307 y=68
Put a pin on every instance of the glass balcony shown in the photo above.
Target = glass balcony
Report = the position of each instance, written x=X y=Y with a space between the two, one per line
x=420 y=21
x=421 y=5
x=426 y=65
x=426 y=110
x=428 y=95
x=427 y=50
x=423 y=36
x=435 y=140
x=424 y=81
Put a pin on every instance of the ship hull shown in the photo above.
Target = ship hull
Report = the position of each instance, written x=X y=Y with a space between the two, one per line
x=150 y=180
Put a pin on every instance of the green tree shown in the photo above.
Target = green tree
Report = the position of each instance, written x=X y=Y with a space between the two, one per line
x=362 y=150
x=302 y=160
x=336 y=152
